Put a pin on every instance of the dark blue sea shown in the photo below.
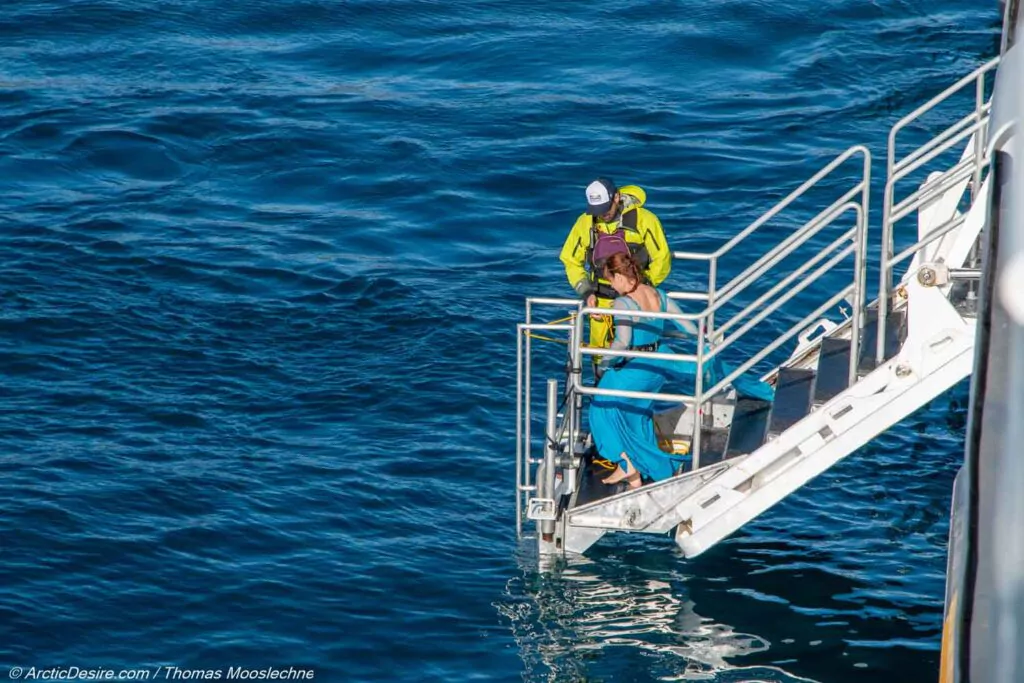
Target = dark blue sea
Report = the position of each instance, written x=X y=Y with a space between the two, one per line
x=260 y=269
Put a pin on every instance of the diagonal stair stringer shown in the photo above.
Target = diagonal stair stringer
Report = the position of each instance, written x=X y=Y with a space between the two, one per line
x=889 y=394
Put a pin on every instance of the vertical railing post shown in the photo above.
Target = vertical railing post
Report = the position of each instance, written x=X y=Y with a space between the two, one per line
x=861 y=272
x=712 y=288
x=547 y=526
x=885 y=274
x=576 y=376
x=698 y=401
x=573 y=406
x=577 y=354
x=859 y=261
x=980 y=136
x=519 y=432
x=527 y=383
x=577 y=398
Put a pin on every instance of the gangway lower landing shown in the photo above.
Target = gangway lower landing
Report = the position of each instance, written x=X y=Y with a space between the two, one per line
x=845 y=381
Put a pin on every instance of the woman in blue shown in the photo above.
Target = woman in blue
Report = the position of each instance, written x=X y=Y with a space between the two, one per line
x=623 y=428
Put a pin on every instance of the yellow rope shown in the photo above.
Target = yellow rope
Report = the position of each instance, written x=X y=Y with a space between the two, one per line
x=534 y=335
x=538 y=336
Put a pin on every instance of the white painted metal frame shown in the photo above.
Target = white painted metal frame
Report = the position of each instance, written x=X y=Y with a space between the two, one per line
x=972 y=128
x=938 y=353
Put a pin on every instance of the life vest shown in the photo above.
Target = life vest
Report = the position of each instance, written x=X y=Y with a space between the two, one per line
x=604 y=244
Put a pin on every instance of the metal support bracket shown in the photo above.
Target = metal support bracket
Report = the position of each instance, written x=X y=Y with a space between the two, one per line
x=933 y=274
x=541 y=509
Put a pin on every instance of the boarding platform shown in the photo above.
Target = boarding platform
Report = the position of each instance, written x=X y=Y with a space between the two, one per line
x=854 y=326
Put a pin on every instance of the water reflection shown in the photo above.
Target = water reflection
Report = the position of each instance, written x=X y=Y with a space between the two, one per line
x=623 y=620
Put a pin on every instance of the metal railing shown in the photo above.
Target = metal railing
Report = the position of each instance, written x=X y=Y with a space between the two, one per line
x=571 y=418
x=711 y=341
x=972 y=127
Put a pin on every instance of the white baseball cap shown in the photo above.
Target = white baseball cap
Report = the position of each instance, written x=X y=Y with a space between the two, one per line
x=600 y=195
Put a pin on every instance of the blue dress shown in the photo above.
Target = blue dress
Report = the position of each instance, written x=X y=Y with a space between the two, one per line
x=626 y=425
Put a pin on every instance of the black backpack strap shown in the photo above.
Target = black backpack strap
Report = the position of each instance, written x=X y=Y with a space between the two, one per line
x=590 y=248
x=629 y=219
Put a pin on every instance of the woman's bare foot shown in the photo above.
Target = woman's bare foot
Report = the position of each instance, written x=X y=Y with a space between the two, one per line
x=618 y=475
x=625 y=472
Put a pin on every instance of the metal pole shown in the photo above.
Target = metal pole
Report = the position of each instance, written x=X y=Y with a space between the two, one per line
x=570 y=403
x=519 y=432
x=712 y=289
x=573 y=416
x=858 y=294
x=698 y=405
x=527 y=418
x=570 y=399
x=884 y=278
x=861 y=276
x=979 y=151
x=547 y=527
x=979 y=142
x=885 y=275
x=577 y=369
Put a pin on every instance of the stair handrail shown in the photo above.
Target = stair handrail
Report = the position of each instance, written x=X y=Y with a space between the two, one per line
x=973 y=125
x=785 y=248
x=755 y=270
x=779 y=294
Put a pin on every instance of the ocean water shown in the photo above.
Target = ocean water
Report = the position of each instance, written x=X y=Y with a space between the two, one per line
x=260 y=269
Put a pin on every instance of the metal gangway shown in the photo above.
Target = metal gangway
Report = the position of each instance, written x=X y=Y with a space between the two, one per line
x=843 y=382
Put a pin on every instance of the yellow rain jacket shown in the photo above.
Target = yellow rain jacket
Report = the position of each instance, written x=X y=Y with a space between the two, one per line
x=643 y=229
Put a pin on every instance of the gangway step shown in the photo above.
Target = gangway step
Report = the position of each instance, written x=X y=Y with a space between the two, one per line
x=713 y=445
x=749 y=426
x=895 y=335
x=793 y=392
x=833 y=369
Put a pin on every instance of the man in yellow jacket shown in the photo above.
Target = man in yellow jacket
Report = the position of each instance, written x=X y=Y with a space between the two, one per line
x=612 y=213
